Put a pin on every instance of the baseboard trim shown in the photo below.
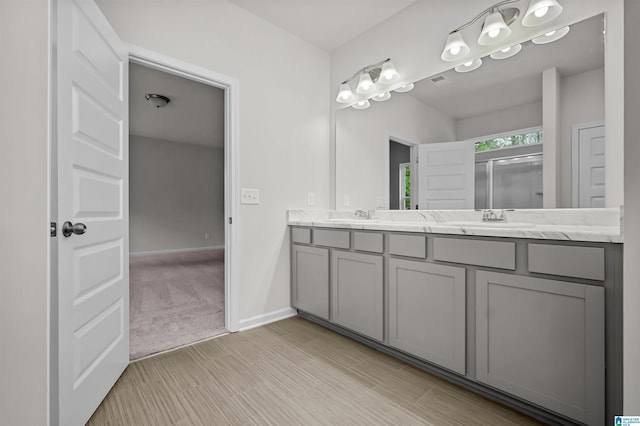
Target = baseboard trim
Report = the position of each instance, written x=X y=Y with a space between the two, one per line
x=171 y=251
x=257 y=321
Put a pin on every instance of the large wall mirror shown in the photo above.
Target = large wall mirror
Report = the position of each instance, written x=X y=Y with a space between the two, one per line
x=475 y=139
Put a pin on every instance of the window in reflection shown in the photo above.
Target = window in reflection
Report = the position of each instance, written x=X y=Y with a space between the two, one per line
x=509 y=141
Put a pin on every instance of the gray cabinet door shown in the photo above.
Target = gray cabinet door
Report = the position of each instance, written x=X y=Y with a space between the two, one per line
x=542 y=340
x=427 y=312
x=356 y=292
x=310 y=279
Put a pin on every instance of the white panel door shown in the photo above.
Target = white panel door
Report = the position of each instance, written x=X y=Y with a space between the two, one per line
x=446 y=174
x=589 y=182
x=93 y=269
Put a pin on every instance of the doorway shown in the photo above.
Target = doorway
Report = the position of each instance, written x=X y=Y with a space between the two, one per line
x=176 y=211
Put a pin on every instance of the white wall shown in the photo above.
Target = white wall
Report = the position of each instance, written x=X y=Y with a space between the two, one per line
x=414 y=39
x=581 y=101
x=362 y=169
x=631 y=336
x=176 y=195
x=284 y=121
x=24 y=213
x=514 y=118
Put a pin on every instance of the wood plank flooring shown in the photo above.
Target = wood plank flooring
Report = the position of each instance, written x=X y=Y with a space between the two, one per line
x=291 y=372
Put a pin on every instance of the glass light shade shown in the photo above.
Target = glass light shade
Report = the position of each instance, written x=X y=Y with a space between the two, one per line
x=404 y=88
x=469 y=66
x=362 y=104
x=540 y=12
x=494 y=30
x=345 y=94
x=507 y=52
x=388 y=72
x=455 y=48
x=551 y=36
x=365 y=84
x=381 y=96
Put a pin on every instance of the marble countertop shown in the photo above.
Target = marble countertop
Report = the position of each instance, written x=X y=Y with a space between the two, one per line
x=595 y=225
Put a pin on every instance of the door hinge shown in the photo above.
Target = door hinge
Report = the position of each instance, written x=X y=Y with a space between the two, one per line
x=230 y=221
x=53 y=229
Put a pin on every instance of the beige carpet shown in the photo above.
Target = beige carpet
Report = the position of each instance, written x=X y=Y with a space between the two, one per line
x=175 y=299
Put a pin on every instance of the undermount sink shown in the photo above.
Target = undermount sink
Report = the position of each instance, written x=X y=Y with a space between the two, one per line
x=491 y=224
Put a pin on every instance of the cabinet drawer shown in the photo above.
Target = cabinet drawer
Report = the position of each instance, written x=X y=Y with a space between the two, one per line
x=367 y=241
x=494 y=254
x=331 y=238
x=408 y=245
x=568 y=261
x=301 y=235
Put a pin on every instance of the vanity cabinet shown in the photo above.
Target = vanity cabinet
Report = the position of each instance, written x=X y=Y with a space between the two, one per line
x=310 y=280
x=357 y=292
x=524 y=321
x=427 y=312
x=542 y=340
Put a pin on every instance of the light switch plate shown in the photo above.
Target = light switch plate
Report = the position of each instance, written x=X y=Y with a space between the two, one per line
x=380 y=203
x=345 y=200
x=249 y=196
x=311 y=198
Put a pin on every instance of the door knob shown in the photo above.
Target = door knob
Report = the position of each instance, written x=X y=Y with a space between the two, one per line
x=69 y=228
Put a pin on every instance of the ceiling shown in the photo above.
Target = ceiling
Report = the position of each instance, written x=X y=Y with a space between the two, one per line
x=501 y=84
x=327 y=24
x=195 y=114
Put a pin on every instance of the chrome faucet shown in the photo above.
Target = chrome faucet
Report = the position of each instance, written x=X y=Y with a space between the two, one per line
x=489 y=215
x=364 y=214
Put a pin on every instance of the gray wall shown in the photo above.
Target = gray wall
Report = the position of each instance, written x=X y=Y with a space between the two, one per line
x=581 y=101
x=398 y=154
x=632 y=208
x=514 y=118
x=176 y=193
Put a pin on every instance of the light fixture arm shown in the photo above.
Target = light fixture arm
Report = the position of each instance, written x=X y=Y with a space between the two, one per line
x=372 y=67
x=481 y=14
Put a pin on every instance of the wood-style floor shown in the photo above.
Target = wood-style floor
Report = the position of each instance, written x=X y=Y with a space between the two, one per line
x=291 y=372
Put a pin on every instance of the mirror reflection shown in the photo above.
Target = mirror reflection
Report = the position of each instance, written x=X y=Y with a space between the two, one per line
x=475 y=139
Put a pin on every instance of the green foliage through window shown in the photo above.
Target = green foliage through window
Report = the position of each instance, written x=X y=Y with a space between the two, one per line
x=510 y=141
x=407 y=182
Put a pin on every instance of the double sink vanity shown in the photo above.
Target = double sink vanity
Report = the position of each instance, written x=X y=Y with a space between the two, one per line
x=521 y=306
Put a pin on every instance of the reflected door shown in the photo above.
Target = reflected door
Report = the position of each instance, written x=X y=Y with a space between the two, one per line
x=446 y=175
x=588 y=166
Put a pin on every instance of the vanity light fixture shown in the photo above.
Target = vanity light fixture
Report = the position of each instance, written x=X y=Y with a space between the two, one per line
x=156 y=100
x=507 y=52
x=469 y=66
x=404 y=88
x=365 y=84
x=362 y=104
x=345 y=94
x=496 y=27
x=540 y=12
x=374 y=82
x=495 y=30
x=381 y=96
x=551 y=36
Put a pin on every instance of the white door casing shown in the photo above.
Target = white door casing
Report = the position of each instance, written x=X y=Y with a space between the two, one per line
x=446 y=175
x=588 y=165
x=92 y=150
